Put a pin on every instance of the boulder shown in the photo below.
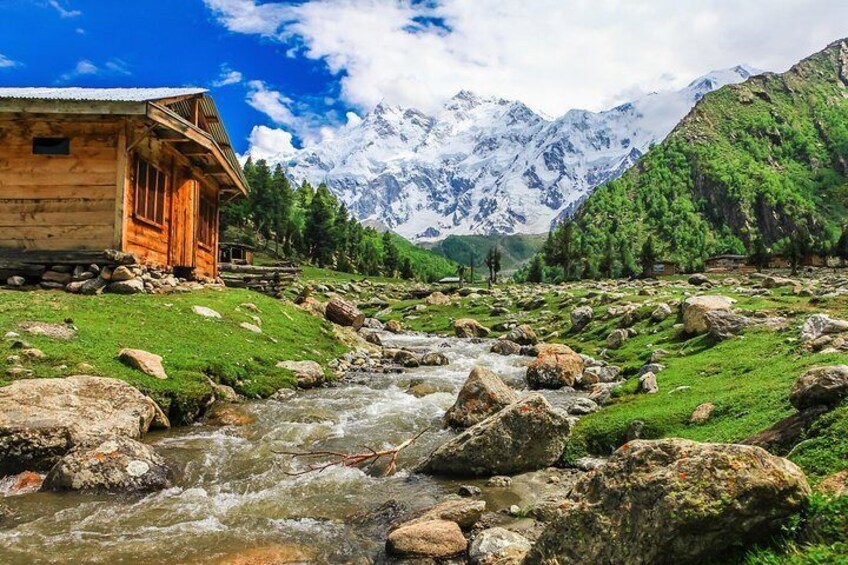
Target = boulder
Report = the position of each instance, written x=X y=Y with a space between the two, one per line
x=132 y=286
x=56 y=277
x=407 y=359
x=250 y=327
x=522 y=335
x=228 y=415
x=344 y=313
x=15 y=281
x=433 y=539
x=699 y=279
x=467 y=327
x=309 y=374
x=505 y=347
x=672 y=501
x=581 y=316
x=616 y=338
x=777 y=282
x=702 y=413
x=121 y=273
x=825 y=386
x=23 y=483
x=42 y=419
x=146 y=362
x=437 y=299
x=555 y=367
x=648 y=383
x=109 y=463
x=61 y=332
x=525 y=436
x=724 y=324
x=661 y=312
x=465 y=513
x=782 y=436
x=498 y=546
x=599 y=374
x=819 y=325
x=482 y=395
x=695 y=311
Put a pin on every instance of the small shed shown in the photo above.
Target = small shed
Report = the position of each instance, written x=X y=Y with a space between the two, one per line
x=139 y=171
x=662 y=268
x=235 y=252
x=728 y=263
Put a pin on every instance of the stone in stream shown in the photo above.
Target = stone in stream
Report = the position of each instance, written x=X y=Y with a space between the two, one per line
x=556 y=366
x=467 y=328
x=42 y=419
x=146 y=362
x=525 y=436
x=482 y=395
x=505 y=347
x=465 y=513
x=394 y=326
x=434 y=539
x=498 y=546
x=434 y=359
x=825 y=386
x=20 y=484
x=672 y=501
x=274 y=554
x=522 y=335
x=109 y=463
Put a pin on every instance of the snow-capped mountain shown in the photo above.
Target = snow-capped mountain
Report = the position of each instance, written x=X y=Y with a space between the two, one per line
x=484 y=165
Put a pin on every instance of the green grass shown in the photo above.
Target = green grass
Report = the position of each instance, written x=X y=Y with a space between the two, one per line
x=193 y=347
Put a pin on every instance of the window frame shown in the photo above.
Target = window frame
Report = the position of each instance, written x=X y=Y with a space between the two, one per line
x=206 y=225
x=159 y=191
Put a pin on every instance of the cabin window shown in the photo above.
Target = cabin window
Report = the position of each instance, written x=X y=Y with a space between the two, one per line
x=149 y=185
x=51 y=146
x=208 y=222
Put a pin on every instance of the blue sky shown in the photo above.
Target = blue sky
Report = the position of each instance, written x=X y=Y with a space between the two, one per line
x=289 y=74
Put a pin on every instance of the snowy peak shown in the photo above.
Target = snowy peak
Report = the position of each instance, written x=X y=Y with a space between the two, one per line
x=483 y=164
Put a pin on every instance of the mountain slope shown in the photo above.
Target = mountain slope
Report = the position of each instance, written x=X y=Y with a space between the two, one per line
x=756 y=159
x=515 y=249
x=484 y=165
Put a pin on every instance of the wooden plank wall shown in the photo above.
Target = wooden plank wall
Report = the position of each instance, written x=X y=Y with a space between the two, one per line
x=53 y=202
x=207 y=258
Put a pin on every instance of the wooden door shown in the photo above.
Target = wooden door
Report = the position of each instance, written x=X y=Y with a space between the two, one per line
x=183 y=223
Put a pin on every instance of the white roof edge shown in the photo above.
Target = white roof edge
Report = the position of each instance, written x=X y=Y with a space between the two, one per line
x=97 y=94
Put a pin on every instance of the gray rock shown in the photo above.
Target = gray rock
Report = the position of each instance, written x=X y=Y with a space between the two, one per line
x=695 y=310
x=42 y=419
x=661 y=312
x=467 y=328
x=616 y=338
x=672 y=501
x=498 y=546
x=309 y=374
x=581 y=316
x=648 y=383
x=109 y=463
x=525 y=436
x=506 y=347
x=699 y=279
x=434 y=359
x=482 y=395
x=819 y=325
x=825 y=386
x=724 y=324
x=522 y=335
x=15 y=281
x=132 y=286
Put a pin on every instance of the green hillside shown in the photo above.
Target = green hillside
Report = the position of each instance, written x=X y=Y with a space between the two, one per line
x=765 y=159
x=428 y=265
x=516 y=249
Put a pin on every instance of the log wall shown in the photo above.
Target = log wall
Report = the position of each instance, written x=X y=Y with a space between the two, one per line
x=52 y=202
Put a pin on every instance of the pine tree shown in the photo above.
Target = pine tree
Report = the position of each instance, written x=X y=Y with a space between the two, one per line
x=648 y=256
x=760 y=255
x=607 y=263
x=391 y=255
x=841 y=249
x=493 y=262
x=319 y=227
x=628 y=261
x=406 y=271
x=536 y=274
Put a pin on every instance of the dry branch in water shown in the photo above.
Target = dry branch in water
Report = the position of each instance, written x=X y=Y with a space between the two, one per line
x=369 y=457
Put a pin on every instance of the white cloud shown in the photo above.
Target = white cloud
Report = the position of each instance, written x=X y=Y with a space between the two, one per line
x=274 y=145
x=7 y=63
x=85 y=67
x=64 y=12
x=283 y=111
x=227 y=77
x=552 y=54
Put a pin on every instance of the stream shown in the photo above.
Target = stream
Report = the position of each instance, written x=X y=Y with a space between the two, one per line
x=234 y=491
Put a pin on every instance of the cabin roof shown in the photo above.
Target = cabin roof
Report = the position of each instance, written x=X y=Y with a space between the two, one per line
x=180 y=101
x=727 y=256
x=98 y=94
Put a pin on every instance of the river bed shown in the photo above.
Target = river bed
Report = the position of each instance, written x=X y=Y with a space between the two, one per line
x=233 y=490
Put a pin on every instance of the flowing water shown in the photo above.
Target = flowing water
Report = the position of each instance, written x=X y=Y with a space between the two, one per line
x=234 y=491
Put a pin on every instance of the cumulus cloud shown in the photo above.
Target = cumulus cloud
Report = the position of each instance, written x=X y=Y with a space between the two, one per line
x=7 y=63
x=272 y=144
x=298 y=117
x=227 y=77
x=552 y=54
x=63 y=12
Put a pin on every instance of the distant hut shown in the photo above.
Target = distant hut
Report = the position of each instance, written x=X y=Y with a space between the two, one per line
x=662 y=268
x=728 y=263
x=138 y=171
x=235 y=252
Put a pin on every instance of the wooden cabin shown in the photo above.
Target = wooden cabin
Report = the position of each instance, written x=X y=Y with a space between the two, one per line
x=662 y=268
x=142 y=171
x=728 y=263
x=235 y=252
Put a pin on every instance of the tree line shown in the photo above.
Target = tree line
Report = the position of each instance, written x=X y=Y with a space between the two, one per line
x=311 y=224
